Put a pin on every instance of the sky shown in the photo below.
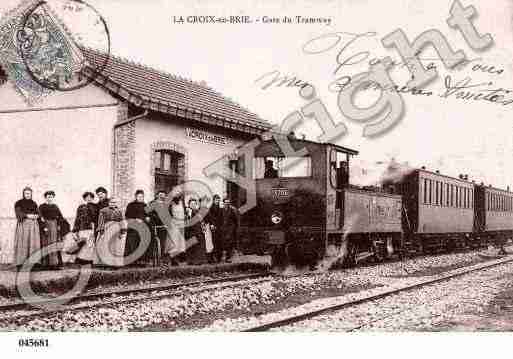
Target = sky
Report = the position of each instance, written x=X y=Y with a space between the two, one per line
x=450 y=135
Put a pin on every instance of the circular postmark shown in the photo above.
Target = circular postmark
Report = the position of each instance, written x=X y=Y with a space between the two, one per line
x=47 y=43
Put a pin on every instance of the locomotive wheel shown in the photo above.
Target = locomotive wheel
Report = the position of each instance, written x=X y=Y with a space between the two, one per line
x=279 y=257
x=352 y=254
x=377 y=251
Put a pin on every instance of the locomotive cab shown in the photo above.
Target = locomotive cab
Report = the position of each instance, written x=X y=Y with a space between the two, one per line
x=293 y=192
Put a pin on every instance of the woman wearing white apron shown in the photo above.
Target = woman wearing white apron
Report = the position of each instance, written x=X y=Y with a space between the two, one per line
x=176 y=232
x=110 y=245
x=83 y=230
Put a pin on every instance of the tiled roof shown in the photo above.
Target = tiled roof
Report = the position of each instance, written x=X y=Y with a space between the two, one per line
x=156 y=90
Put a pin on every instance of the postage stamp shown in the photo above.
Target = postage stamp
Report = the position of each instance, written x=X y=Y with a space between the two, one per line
x=37 y=51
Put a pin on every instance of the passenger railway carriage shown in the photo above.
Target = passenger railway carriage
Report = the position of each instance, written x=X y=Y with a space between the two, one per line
x=438 y=211
x=493 y=214
x=306 y=209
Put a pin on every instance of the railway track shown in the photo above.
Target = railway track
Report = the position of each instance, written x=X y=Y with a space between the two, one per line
x=101 y=299
x=386 y=293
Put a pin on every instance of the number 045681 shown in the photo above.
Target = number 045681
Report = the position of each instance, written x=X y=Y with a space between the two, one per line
x=33 y=343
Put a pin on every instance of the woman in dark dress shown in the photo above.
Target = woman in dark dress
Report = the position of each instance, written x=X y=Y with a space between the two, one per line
x=26 y=239
x=215 y=220
x=52 y=220
x=135 y=211
x=85 y=227
x=197 y=254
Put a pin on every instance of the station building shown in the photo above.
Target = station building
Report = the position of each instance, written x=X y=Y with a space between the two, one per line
x=132 y=128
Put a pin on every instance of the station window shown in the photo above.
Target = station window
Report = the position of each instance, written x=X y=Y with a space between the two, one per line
x=168 y=170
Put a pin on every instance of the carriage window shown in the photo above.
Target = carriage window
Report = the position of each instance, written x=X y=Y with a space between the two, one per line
x=447 y=196
x=442 y=193
x=430 y=191
x=436 y=193
x=275 y=167
x=425 y=191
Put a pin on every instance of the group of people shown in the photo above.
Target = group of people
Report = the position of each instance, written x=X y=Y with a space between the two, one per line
x=103 y=235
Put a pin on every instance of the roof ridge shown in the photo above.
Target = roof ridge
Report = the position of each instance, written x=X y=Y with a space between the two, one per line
x=173 y=88
x=147 y=67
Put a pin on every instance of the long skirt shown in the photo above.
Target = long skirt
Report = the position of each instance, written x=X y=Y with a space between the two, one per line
x=197 y=254
x=48 y=238
x=87 y=252
x=132 y=242
x=26 y=240
x=110 y=246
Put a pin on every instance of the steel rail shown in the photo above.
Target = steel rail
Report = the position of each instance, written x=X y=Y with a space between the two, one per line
x=346 y=304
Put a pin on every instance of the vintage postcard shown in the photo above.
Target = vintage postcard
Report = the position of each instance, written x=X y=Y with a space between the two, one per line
x=255 y=166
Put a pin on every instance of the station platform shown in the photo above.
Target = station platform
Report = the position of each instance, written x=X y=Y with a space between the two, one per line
x=54 y=280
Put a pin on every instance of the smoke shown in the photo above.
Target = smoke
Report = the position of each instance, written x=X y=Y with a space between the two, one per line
x=334 y=254
x=378 y=173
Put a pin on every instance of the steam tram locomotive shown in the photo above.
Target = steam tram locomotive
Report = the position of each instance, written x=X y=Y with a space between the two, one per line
x=306 y=209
